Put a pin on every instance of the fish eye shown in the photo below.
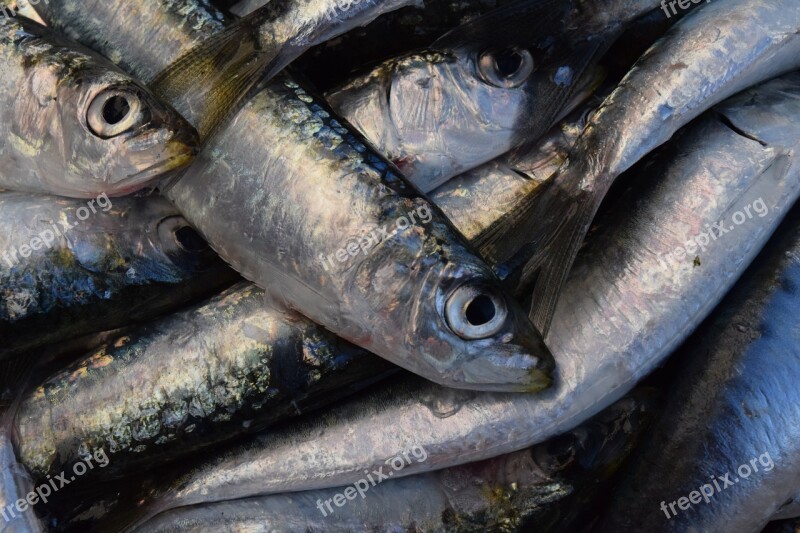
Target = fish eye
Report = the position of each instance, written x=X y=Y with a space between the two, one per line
x=113 y=112
x=473 y=313
x=506 y=68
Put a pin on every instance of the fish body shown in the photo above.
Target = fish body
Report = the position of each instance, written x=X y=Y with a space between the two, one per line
x=731 y=416
x=482 y=89
x=632 y=298
x=70 y=267
x=712 y=53
x=537 y=487
x=335 y=233
x=75 y=125
x=209 y=373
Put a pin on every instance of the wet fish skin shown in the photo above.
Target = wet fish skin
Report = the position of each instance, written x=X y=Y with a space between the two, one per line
x=713 y=170
x=735 y=401
x=536 y=486
x=441 y=112
x=288 y=245
x=179 y=25
x=711 y=54
x=74 y=125
x=216 y=370
x=121 y=261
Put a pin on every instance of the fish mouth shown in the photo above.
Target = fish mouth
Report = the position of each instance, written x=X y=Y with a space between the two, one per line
x=518 y=373
x=180 y=154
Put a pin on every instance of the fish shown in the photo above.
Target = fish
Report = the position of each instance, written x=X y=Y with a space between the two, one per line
x=375 y=263
x=75 y=125
x=69 y=267
x=207 y=83
x=209 y=373
x=540 y=487
x=711 y=54
x=632 y=298
x=726 y=452
x=335 y=233
x=482 y=89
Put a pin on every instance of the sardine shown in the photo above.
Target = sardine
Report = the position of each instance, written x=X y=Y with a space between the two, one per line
x=482 y=89
x=540 y=488
x=207 y=83
x=209 y=373
x=75 y=125
x=632 y=298
x=725 y=456
x=333 y=231
x=71 y=267
x=714 y=52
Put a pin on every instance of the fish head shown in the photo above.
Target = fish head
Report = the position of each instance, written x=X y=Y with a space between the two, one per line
x=445 y=117
x=462 y=104
x=143 y=237
x=115 y=135
x=446 y=313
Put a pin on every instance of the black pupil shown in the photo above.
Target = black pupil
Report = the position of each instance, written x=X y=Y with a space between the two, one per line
x=115 y=109
x=190 y=240
x=508 y=62
x=480 y=310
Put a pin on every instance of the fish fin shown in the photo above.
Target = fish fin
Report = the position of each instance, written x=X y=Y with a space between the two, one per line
x=215 y=75
x=541 y=239
x=555 y=264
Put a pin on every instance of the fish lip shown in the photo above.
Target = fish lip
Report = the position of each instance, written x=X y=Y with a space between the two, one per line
x=183 y=155
x=529 y=373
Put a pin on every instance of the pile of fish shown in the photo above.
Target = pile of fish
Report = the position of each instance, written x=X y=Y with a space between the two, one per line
x=399 y=265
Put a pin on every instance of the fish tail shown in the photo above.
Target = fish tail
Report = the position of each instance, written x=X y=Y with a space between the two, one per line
x=556 y=262
x=537 y=244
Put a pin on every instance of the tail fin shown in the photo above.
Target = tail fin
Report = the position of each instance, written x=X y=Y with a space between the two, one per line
x=541 y=239
x=206 y=83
